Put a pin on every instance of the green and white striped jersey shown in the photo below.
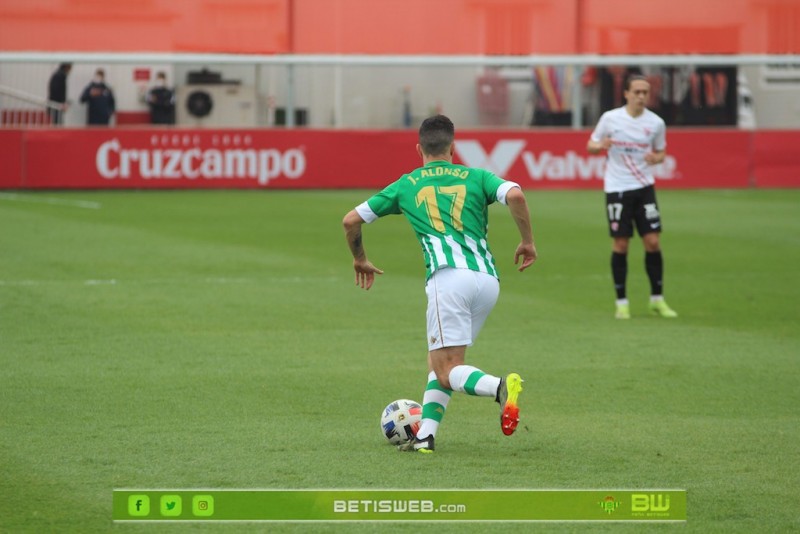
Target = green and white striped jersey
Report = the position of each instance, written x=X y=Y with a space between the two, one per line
x=447 y=206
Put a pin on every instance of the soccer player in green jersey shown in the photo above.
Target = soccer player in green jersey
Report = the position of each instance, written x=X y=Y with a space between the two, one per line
x=447 y=207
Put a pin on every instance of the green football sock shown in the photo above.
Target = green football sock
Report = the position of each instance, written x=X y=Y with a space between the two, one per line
x=434 y=404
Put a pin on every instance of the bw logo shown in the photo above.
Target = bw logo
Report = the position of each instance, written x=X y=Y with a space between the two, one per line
x=653 y=502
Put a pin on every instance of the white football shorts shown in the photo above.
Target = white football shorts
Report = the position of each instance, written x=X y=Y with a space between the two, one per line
x=459 y=301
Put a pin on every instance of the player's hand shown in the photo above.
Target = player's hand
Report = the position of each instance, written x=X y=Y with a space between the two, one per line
x=526 y=251
x=651 y=159
x=365 y=273
x=606 y=143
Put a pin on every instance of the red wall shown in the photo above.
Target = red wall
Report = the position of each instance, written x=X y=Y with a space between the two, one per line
x=12 y=154
x=404 y=27
x=320 y=159
x=776 y=158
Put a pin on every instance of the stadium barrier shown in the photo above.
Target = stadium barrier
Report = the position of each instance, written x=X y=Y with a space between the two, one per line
x=325 y=159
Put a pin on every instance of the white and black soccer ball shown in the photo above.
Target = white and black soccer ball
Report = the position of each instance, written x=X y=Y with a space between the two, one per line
x=400 y=421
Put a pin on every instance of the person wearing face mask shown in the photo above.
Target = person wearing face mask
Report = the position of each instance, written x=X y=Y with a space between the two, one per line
x=161 y=100
x=99 y=99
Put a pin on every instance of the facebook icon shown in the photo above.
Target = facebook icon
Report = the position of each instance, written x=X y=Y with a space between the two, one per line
x=138 y=505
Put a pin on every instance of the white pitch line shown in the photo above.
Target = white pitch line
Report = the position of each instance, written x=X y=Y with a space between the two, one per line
x=86 y=204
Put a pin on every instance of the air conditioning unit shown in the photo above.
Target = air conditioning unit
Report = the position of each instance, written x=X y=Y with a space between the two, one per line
x=216 y=105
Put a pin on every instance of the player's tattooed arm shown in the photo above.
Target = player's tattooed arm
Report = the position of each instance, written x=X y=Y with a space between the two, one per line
x=352 y=230
x=364 y=270
x=356 y=246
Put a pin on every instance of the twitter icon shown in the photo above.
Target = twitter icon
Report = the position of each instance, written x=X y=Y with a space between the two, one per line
x=171 y=505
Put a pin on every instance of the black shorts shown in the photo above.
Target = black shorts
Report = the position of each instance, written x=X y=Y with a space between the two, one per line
x=638 y=206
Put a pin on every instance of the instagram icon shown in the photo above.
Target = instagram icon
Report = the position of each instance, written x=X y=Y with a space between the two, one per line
x=203 y=505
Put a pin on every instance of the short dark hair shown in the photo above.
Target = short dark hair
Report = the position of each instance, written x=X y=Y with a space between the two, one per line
x=633 y=78
x=436 y=134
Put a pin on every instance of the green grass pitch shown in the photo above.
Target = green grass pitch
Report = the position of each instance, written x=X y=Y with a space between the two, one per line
x=217 y=340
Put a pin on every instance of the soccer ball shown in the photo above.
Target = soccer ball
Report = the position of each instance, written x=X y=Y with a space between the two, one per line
x=400 y=421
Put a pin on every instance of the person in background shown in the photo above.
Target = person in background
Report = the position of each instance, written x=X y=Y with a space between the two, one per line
x=161 y=100
x=552 y=95
x=635 y=140
x=57 y=94
x=99 y=99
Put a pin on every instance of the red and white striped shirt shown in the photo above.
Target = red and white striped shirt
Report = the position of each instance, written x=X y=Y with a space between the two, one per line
x=631 y=139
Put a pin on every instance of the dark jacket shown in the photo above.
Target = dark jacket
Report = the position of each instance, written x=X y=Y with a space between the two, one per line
x=162 y=105
x=57 y=89
x=101 y=103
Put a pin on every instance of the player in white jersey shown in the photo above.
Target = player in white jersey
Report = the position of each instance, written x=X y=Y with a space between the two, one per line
x=447 y=207
x=635 y=139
